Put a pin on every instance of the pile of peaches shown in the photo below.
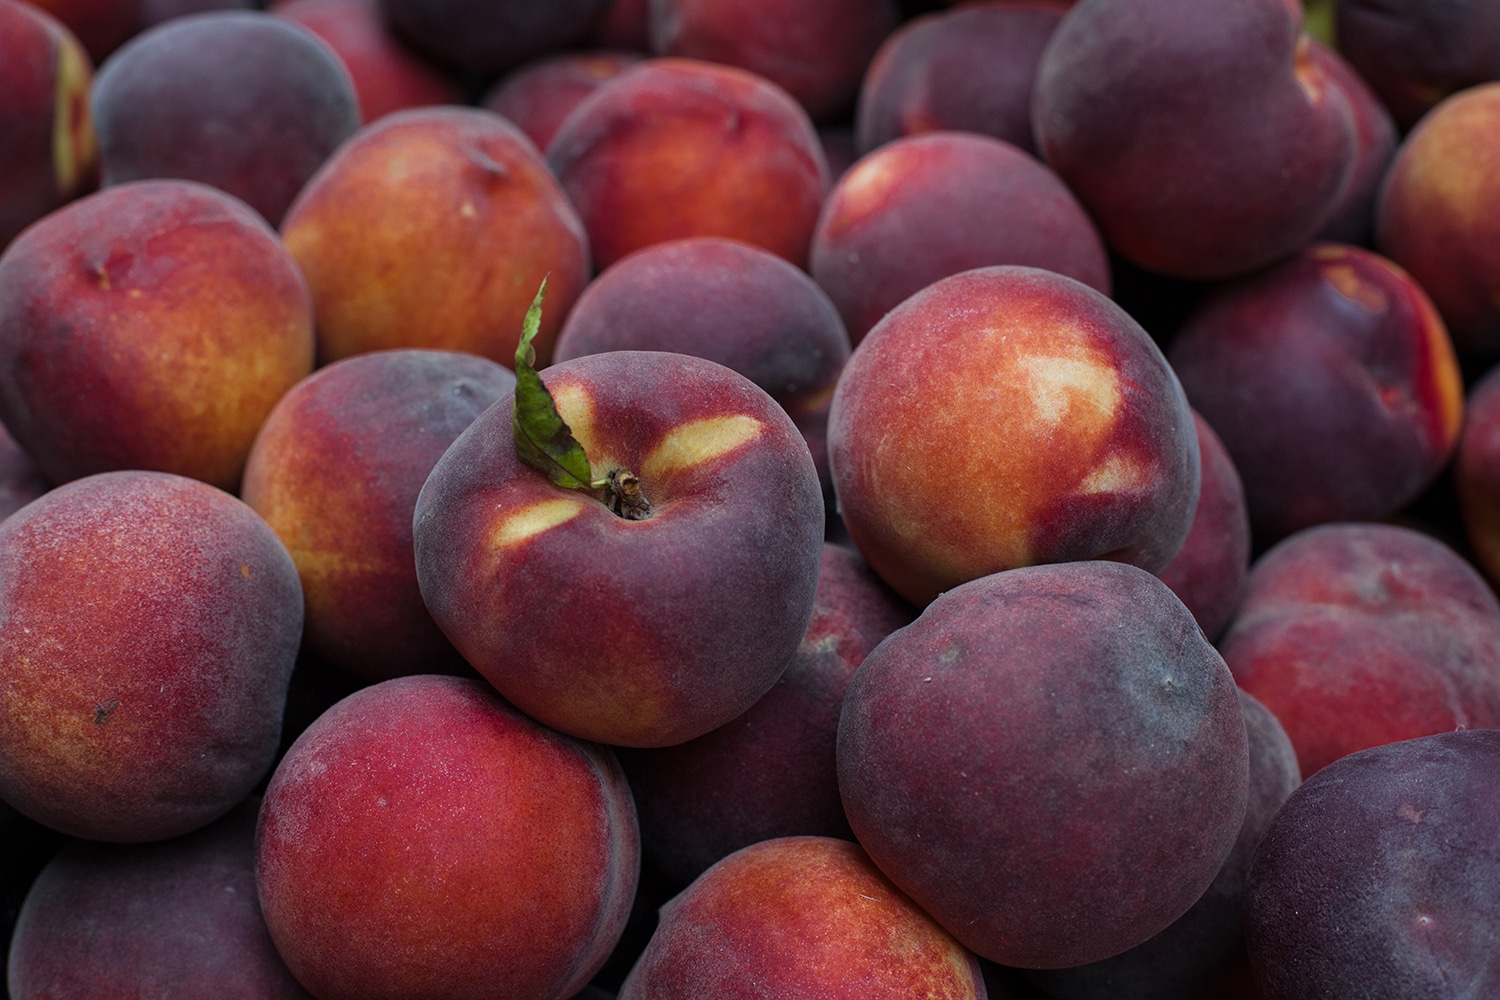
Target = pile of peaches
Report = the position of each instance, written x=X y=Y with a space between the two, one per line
x=702 y=499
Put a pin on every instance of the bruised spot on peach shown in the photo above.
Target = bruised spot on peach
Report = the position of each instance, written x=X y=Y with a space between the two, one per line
x=700 y=441
x=1082 y=390
x=534 y=519
x=1349 y=284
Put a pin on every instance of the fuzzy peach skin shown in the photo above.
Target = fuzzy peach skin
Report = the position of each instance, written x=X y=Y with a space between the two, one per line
x=817 y=52
x=335 y=471
x=433 y=228
x=386 y=74
x=148 y=628
x=423 y=840
x=1008 y=416
x=50 y=152
x=800 y=917
x=921 y=208
x=772 y=771
x=679 y=147
x=1356 y=635
x=969 y=69
x=1022 y=758
x=1201 y=135
x=177 y=918
x=1437 y=214
x=1331 y=380
x=149 y=326
x=636 y=633
x=246 y=102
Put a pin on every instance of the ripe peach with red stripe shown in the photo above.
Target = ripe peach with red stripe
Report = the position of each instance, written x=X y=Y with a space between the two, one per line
x=1008 y=416
x=631 y=632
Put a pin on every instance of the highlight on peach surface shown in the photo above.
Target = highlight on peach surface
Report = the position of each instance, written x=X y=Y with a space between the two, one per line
x=1008 y=416
x=431 y=228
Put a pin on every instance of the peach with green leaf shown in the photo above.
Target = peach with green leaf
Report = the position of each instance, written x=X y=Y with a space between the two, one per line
x=627 y=550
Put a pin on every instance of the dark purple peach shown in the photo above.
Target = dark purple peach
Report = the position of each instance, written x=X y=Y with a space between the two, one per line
x=1353 y=219
x=1332 y=382
x=728 y=302
x=1019 y=759
x=1206 y=944
x=242 y=101
x=968 y=69
x=1209 y=570
x=177 y=918
x=1201 y=135
x=1378 y=879
x=772 y=772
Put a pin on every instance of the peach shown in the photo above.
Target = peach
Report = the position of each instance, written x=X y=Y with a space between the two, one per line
x=1353 y=218
x=1356 y=635
x=1417 y=53
x=635 y=632
x=968 y=69
x=49 y=153
x=432 y=228
x=335 y=471
x=1476 y=473
x=816 y=52
x=673 y=148
x=1209 y=570
x=487 y=37
x=387 y=76
x=175 y=918
x=537 y=97
x=798 y=917
x=726 y=301
x=148 y=627
x=1332 y=382
x=925 y=207
x=1436 y=214
x=423 y=838
x=771 y=772
x=1199 y=153
x=172 y=310
x=1008 y=416
x=1019 y=758
x=1197 y=951
x=623 y=25
x=239 y=100
x=1378 y=878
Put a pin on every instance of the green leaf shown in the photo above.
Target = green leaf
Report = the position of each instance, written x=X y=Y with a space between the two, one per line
x=543 y=440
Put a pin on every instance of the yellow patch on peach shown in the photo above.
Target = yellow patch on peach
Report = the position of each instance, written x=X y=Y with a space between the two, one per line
x=1310 y=75
x=74 y=145
x=532 y=520
x=1447 y=377
x=576 y=406
x=1116 y=474
x=1071 y=388
x=700 y=441
x=1354 y=288
x=862 y=190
